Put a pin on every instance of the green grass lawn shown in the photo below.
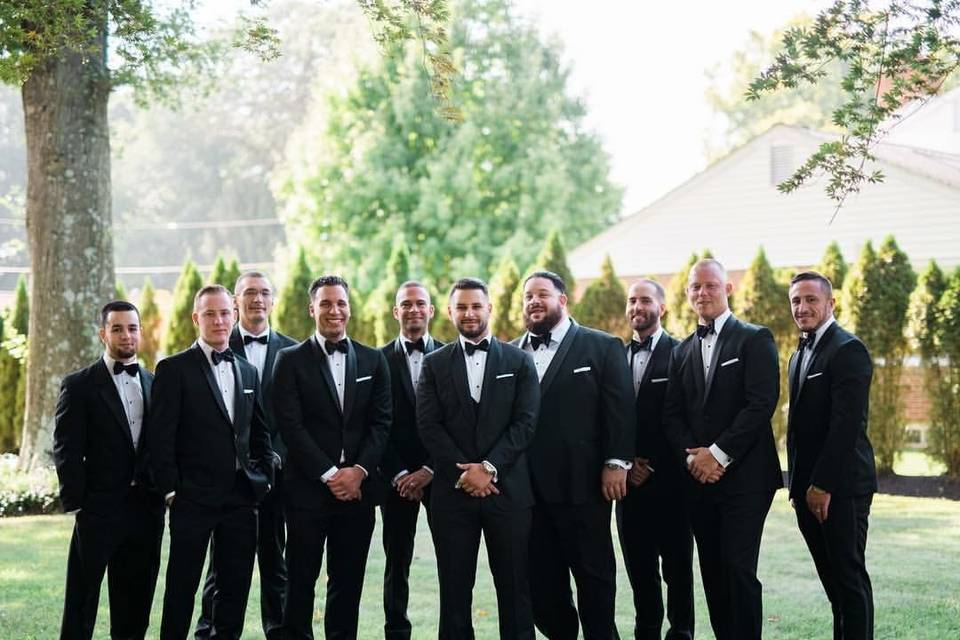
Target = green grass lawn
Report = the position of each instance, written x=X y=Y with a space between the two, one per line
x=913 y=555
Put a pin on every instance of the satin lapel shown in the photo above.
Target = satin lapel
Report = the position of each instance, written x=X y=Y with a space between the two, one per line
x=146 y=383
x=211 y=381
x=273 y=345
x=731 y=325
x=238 y=394
x=323 y=364
x=490 y=371
x=557 y=363
x=110 y=395
x=400 y=356
x=817 y=350
x=458 y=369
x=792 y=377
x=695 y=360
x=350 y=381
x=662 y=351
x=236 y=342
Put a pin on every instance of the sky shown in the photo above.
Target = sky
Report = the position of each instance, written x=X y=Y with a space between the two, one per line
x=641 y=67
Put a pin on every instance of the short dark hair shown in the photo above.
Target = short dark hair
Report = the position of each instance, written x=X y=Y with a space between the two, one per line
x=551 y=276
x=117 y=305
x=209 y=290
x=249 y=274
x=824 y=281
x=657 y=287
x=466 y=284
x=328 y=281
x=409 y=284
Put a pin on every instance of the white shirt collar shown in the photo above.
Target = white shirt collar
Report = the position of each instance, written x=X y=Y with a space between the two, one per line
x=244 y=332
x=558 y=331
x=207 y=349
x=655 y=337
x=403 y=338
x=107 y=360
x=323 y=341
x=721 y=320
x=464 y=341
x=822 y=329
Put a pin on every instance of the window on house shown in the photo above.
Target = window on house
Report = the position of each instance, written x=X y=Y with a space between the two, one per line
x=781 y=163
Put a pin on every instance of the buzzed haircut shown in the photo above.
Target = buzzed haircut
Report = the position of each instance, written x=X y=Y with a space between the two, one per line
x=210 y=289
x=249 y=274
x=466 y=284
x=116 y=305
x=328 y=281
x=824 y=281
x=657 y=287
x=410 y=284
x=710 y=262
x=551 y=276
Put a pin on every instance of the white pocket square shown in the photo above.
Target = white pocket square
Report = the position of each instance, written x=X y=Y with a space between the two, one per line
x=656 y=380
x=581 y=369
x=364 y=378
x=731 y=361
x=814 y=375
x=248 y=390
x=504 y=375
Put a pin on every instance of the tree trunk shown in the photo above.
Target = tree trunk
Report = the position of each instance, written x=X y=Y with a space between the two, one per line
x=68 y=228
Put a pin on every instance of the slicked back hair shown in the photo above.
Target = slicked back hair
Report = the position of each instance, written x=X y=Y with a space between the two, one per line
x=557 y=281
x=116 y=305
x=824 y=281
x=328 y=281
x=466 y=284
x=209 y=290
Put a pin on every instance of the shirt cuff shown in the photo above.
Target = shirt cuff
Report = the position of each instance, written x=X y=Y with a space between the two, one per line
x=623 y=464
x=365 y=472
x=689 y=459
x=329 y=474
x=167 y=497
x=721 y=457
x=398 y=476
x=74 y=512
x=488 y=464
x=428 y=469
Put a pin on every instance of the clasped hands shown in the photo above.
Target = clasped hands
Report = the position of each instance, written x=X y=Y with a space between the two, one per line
x=475 y=480
x=411 y=485
x=345 y=483
x=703 y=466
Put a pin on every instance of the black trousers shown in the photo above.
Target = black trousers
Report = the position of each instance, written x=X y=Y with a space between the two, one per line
x=399 y=531
x=653 y=527
x=233 y=529
x=838 y=547
x=124 y=544
x=345 y=528
x=728 y=531
x=271 y=540
x=573 y=539
x=457 y=529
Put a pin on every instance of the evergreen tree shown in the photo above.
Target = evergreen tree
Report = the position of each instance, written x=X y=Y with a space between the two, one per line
x=232 y=274
x=945 y=438
x=502 y=286
x=835 y=269
x=553 y=257
x=150 y=325
x=379 y=306
x=20 y=316
x=291 y=316
x=218 y=275
x=603 y=303
x=763 y=300
x=13 y=373
x=362 y=323
x=680 y=319
x=181 y=331
x=119 y=291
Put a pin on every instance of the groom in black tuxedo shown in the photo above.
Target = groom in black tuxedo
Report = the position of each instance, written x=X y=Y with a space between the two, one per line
x=477 y=405
x=332 y=403
x=579 y=459
x=100 y=452
x=832 y=472
x=212 y=461
x=723 y=390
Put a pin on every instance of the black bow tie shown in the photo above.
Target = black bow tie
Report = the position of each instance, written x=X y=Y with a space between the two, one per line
x=417 y=345
x=807 y=342
x=264 y=339
x=641 y=345
x=470 y=348
x=220 y=356
x=132 y=369
x=703 y=330
x=335 y=345
x=536 y=341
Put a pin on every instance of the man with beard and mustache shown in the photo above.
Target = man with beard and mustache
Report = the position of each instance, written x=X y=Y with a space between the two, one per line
x=579 y=461
x=405 y=461
x=100 y=453
x=477 y=404
x=652 y=520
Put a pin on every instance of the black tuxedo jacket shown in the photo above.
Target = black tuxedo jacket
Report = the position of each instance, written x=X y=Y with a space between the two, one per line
x=92 y=445
x=732 y=409
x=276 y=342
x=586 y=417
x=315 y=427
x=455 y=429
x=651 y=441
x=404 y=449
x=194 y=446
x=827 y=442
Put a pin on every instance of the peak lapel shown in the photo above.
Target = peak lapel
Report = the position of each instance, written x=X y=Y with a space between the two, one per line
x=349 y=381
x=211 y=382
x=400 y=357
x=323 y=365
x=110 y=395
x=557 y=363
x=490 y=371
x=731 y=325
x=458 y=369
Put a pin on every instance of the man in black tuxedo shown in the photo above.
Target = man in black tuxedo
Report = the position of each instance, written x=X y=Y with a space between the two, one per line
x=331 y=396
x=723 y=390
x=477 y=404
x=253 y=340
x=832 y=473
x=405 y=461
x=579 y=459
x=100 y=453
x=652 y=520
x=211 y=459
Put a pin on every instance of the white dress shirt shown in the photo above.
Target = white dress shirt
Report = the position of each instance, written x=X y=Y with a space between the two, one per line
x=255 y=352
x=414 y=358
x=639 y=360
x=338 y=369
x=807 y=354
x=707 y=345
x=476 y=365
x=130 y=390
x=223 y=374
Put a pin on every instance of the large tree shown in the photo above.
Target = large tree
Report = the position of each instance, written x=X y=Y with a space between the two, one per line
x=385 y=164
